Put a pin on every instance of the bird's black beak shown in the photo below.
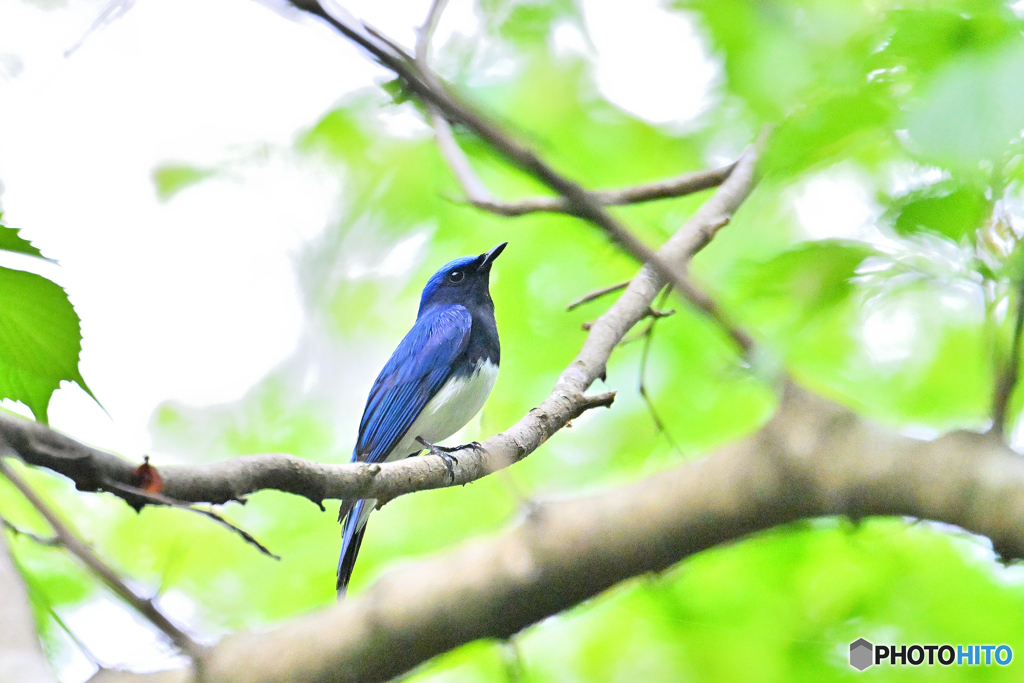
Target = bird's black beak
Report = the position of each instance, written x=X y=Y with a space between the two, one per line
x=487 y=258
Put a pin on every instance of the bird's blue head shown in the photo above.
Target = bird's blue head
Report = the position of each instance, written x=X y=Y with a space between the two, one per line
x=462 y=281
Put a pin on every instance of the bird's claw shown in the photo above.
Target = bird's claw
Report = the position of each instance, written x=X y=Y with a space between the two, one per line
x=445 y=453
x=450 y=461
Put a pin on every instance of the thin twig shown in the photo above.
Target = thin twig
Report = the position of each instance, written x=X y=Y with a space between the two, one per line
x=425 y=33
x=1008 y=380
x=160 y=499
x=681 y=186
x=50 y=541
x=73 y=637
x=114 y=9
x=457 y=160
x=91 y=560
x=635 y=337
x=651 y=313
x=659 y=424
x=596 y=294
x=477 y=192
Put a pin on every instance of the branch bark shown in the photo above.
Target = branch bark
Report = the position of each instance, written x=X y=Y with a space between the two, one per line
x=812 y=459
x=393 y=627
x=683 y=185
x=229 y=480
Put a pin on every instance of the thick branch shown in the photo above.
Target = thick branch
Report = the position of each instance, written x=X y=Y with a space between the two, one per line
x=812 y=459
x=233 y=479
x=21 y=657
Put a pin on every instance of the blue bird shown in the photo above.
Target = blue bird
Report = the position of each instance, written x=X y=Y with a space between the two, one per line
x=434 y=383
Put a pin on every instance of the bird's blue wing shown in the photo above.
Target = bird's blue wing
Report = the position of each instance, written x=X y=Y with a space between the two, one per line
x=415 y=372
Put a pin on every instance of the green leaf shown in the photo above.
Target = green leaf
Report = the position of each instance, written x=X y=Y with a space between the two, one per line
x=790 y=289
x=10 y=240
x=527 y=23
x=955 y=213
x=1013 y=269
x=170 y=179
x=340 y=132
x=924 y=38
x=951 y=389
x=398 y=90
x=40 y=340
x=828 y=128
x=971 y=111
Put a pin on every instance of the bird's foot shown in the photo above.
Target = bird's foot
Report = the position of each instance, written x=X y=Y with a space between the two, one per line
x=445 y=453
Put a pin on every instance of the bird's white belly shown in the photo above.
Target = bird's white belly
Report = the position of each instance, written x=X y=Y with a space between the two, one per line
x=451 y=408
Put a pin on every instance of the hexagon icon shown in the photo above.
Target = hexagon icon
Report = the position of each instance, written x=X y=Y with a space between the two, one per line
x=861 y=652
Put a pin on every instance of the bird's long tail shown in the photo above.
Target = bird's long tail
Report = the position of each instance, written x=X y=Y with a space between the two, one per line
x=353 y=527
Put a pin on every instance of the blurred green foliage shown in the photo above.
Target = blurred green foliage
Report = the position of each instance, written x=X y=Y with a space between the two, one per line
x=170 y=179
x=913 y=109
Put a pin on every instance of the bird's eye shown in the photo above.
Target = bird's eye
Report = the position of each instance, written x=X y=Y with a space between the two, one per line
x=456 y=276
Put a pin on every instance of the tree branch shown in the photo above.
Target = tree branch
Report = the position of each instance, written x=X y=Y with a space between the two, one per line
x=596 y=294
x=90 y=559
x=579 y=202
x=50 y=541
x=160 y=499
x=812 y=459
x=233 y=479
x=21 y=657
x=457 y=160
x=685 y=184
x=480 y=197
x=426 y=32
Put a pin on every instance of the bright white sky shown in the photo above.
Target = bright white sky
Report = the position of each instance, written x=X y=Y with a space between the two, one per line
x=195 y=299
